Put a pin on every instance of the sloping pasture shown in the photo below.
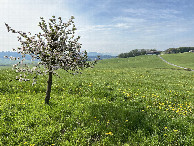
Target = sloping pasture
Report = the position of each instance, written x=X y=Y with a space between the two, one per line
x=133 y=101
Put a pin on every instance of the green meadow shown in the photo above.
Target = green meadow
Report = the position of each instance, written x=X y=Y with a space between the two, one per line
x=132 y=102
x=183 y=59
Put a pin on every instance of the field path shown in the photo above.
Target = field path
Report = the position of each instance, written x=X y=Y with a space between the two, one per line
x=173 y=64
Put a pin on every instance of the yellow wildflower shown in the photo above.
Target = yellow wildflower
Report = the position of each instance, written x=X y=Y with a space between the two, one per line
x=110 y=133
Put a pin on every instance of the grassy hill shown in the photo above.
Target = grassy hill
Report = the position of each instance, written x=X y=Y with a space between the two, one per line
x=182 y=59
x=145 y=61
x=133 y=101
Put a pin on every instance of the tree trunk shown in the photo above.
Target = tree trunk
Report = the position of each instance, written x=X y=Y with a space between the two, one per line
x=47 y=98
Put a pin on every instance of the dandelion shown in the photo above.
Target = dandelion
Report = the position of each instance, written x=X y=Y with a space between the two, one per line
x=165 y=127
x=175 y=130
x=109 y=133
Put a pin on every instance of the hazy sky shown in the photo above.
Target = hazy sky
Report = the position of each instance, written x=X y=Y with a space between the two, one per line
x=113 y=26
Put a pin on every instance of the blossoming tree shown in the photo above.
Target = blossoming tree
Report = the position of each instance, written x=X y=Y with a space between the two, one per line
x=55 y=47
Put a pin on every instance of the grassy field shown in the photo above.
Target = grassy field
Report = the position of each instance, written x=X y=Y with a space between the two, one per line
x=182 y=59
x=133 y=101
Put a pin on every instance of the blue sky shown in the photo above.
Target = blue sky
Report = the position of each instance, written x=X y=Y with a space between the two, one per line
x=106 y=26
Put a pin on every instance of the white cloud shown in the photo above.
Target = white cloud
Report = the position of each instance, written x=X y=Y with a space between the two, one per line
x=136 y=11
x=128 y=19
x=162 y=13
x=122 y=25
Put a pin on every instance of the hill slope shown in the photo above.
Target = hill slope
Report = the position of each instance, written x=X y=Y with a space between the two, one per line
x=183 y=59
x=133 y=101
x=143 y=62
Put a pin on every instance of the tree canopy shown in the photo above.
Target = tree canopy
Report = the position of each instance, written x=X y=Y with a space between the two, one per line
x=55 y=47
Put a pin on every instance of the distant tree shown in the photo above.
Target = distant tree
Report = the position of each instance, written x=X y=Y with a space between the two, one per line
x=133 y=53
x=143 y=51
x=122 y=55
x=152 y=50
x=178 y=50
x=55 y=48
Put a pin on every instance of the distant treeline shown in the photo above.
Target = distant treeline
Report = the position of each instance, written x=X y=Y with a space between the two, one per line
x=136 y=52
x=178 y=50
